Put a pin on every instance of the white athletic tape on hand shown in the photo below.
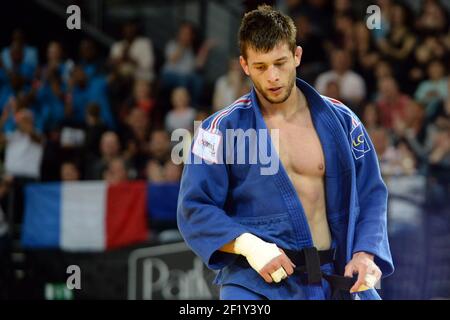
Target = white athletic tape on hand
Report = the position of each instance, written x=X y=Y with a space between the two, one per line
x=278 y=275
x=258 y=253
x=370 y=280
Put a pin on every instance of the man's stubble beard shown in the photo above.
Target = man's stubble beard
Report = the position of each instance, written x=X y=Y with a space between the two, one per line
x=290 y=86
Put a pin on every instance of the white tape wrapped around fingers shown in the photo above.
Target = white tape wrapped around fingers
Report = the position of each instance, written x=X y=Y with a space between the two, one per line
x=370 y=280
x=258 y=253
x=278 y=275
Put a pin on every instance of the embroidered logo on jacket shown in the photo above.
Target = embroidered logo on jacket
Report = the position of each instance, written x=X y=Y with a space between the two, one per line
x=358 y=141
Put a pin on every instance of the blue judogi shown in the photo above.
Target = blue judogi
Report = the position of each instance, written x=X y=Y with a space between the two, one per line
x=220 y=201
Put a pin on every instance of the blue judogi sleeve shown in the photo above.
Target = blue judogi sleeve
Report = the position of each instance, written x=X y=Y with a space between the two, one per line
x=202 y=221
x=371 y=226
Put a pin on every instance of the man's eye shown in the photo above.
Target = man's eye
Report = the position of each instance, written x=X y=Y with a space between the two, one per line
x=279 y=64
x=260 y=68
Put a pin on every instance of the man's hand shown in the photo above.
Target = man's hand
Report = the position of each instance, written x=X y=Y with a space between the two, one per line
x=278 y=268
x=265 y=258
x=368 y=272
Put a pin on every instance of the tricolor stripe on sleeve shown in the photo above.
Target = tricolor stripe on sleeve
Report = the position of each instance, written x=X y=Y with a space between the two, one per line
x=242 y=103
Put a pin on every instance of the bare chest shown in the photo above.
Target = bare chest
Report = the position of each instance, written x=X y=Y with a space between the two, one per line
x=299 y=147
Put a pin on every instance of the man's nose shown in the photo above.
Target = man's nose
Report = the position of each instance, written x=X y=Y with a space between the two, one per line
x=273 y=74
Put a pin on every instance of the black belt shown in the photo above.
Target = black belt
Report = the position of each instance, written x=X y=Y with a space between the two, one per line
x=309 y=260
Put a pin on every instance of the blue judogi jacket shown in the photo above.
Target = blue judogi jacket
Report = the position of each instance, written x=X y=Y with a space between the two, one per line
x=219 y=200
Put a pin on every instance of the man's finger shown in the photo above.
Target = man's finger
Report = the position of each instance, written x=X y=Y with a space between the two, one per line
x=360 y=281
x=370 y=280
x=266 y=276
x=278 y=275
x=291 y=263
x=349 y=270
x=272 y=266
x=286 y=263
x=275 y=269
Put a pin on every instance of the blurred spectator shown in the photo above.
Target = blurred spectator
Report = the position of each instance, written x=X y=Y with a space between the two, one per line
x=352 y=86
x=445 y=40
x=70 y=171
x=439 y=170
x=383 y=70
x=435 y=87
x=433 y=18
x=429 y=49
x=182 y=115
x=75 y=102
x=230 y=86
x=19 y=69
x=50 y=94
x=342 y=7
x=320 y=13
x=154 y=171
x=365 y=53
x=23 y=158
x=24 y=148
x=82 y=92
x=133 y=54
x=184 y=60
x=412 y=128
x=393 y=160
x=89 y=59
x=342 y=36
x=94 y=129
x=391 y=102
x=440 y=153
x=398 y=45
x=333 y=90
x=117 y=171
x=313 y=49
x=168 y=172
x=370 y=117
x=135 y=139
x=172 y=172
x=109 y=150
x=440 y=110
x=19 y=101
x=142 y=98
x=29 y=54
x=56 y=64
x=18 y=64
x=159 y=146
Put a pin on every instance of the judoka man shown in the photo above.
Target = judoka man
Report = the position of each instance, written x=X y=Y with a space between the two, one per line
x=296 y=231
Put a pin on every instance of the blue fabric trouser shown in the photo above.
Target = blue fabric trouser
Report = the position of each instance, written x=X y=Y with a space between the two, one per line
x=238 y=292
x=302 y=291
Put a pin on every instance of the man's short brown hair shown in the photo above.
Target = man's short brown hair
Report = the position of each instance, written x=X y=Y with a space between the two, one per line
x=264 y=28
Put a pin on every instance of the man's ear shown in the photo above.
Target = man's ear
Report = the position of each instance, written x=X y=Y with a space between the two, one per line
x=298 y=55
x=244 y=65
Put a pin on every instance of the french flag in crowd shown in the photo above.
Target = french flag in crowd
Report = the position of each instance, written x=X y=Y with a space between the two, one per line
x=84 y=216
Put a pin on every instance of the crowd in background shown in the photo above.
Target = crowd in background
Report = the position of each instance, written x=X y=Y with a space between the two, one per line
x=85 y=116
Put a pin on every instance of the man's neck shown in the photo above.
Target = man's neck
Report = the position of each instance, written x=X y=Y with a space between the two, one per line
x=295 y=102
